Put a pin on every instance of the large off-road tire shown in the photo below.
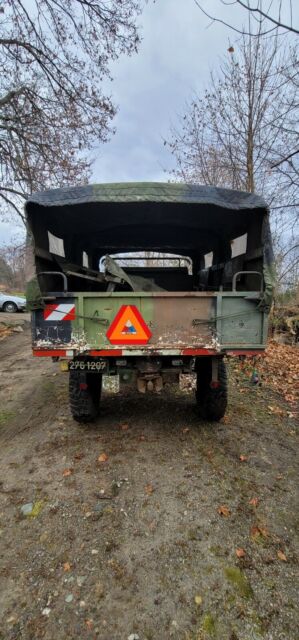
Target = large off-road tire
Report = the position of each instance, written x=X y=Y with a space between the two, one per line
x=84 y=395
x=211 y=401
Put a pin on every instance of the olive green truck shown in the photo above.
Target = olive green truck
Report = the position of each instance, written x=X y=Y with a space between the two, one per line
x=150 y=280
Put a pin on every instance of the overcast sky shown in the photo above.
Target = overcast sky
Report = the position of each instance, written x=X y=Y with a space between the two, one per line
x=177 y=52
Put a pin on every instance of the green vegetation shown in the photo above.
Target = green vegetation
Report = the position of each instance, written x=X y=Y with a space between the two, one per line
x=208 y=624
x=239 y=581
x=5 y=416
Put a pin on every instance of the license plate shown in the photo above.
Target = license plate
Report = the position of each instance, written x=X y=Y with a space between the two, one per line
x=90 y=365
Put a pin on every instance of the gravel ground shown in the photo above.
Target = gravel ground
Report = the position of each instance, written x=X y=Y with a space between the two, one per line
x=149 y=524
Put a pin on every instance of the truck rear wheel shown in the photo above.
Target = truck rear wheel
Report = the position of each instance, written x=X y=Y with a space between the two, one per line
x=84 y=395
x=211 y=399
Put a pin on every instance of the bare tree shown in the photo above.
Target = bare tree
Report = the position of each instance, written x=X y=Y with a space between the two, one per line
x=237 y=132
x=268 y=15
x=54 y=56
x=12 y=256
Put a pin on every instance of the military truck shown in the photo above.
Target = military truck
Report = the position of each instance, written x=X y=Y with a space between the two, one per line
x=150 y=280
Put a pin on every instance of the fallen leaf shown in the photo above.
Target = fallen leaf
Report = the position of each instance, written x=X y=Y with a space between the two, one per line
x=66 y=566
x=185 y=430
x=124 y=427
x=198 y=600
x=141 y=437
x=149 y=489
x=36 y=508
x=264 y=532
x=281 y=556
x=254 y=532
x=89 y=624
x=231 y=49
x=257 y=531
x=103 y=457
x=67 y=472
x=254 y=502
x=225 y=420
x=243 y=458
x=79 y=456
x=240 y=553
x=224 y=511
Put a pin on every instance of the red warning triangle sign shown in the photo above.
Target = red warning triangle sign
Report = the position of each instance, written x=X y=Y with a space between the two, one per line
x=128 y=327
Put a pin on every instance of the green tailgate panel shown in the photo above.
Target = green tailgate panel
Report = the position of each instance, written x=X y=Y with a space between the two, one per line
x=217 y=320
x=171 y=318
x=240 y=322
x=96 y=313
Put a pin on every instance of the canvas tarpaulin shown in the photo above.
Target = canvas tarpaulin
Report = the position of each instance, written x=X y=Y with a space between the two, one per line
x=224 y=210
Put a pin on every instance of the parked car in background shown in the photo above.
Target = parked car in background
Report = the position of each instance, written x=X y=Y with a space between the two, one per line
x=11 y=304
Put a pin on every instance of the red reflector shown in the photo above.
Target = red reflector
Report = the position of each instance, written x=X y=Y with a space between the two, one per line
x=215 y=384
x=56 y=353
x=83 y=386
x=198 y=352
x=106 y=352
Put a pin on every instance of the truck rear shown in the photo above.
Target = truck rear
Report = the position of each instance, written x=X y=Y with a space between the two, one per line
x=148 y=281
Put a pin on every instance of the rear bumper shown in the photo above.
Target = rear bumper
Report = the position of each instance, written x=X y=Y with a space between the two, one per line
x=108 y=353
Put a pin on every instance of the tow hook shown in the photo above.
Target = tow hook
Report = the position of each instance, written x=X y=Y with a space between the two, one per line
x=149 y=382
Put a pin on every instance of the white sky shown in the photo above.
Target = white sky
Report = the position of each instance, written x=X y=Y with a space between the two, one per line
x=177 y=52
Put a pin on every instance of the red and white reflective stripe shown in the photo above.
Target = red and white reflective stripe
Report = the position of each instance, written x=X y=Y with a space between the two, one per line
x=56 y=312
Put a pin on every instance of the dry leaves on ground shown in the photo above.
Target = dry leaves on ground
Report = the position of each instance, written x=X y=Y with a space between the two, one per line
x=223 y=510
x=254 y=502
x=149 y=489
x=89 y=624
x=258 y=531
x=240 y=553
x=5 y=332
x=281 y=556
x=103 y=457
x=67 y=472
x=278 y=369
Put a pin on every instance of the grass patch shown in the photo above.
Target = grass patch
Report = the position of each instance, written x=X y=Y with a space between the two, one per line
x=5 y=416
x=208 y=624
x=239 y=581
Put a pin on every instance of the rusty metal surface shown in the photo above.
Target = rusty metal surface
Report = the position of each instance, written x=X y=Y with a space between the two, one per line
x=173 y=323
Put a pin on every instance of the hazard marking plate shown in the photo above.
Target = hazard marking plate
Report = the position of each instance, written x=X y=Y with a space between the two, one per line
x=128 y=327
x=58 y=312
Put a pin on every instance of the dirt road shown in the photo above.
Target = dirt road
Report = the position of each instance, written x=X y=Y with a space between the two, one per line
x=187 y=530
